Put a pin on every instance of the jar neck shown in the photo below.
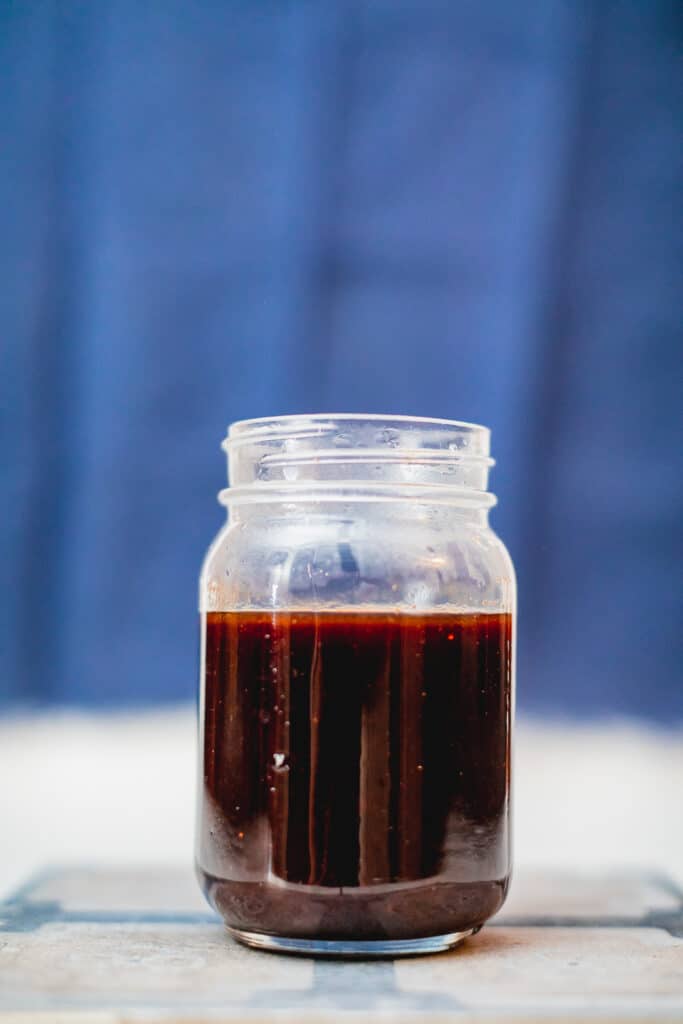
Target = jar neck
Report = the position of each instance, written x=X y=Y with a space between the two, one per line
x=296 y=462
x=308 y=510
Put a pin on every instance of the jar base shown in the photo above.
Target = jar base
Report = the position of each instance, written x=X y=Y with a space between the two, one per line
x=350 y=949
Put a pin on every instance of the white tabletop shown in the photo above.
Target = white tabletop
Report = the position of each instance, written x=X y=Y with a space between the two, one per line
x=120 y=790
x=592 y=928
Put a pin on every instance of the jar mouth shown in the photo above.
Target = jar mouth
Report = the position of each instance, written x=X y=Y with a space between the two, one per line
x=321 y=422
x=356 y=453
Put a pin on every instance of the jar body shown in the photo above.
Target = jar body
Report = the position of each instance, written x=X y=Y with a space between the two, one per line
x=357 y=658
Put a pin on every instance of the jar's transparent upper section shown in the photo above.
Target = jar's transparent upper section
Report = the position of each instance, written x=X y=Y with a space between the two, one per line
x=336 y=511
x=396 y=455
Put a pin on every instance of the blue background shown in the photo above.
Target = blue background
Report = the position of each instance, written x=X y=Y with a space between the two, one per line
x=218 y=210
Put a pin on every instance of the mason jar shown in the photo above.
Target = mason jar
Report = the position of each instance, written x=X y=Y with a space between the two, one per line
x=357 y=667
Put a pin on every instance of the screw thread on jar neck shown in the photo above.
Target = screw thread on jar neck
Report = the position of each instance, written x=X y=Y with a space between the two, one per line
x=348 y=457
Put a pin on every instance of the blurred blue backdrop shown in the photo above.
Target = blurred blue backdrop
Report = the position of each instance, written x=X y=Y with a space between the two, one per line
x=219 y=210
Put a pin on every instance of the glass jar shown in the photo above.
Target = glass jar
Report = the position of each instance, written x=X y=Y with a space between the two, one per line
x=357 y=653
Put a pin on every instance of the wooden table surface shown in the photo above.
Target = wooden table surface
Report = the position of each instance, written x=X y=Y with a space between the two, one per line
x=98 y=946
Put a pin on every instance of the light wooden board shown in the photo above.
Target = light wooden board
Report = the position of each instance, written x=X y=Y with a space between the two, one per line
x=101 y=946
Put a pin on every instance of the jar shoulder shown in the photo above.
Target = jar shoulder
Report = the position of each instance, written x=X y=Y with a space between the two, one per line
x=322 y=563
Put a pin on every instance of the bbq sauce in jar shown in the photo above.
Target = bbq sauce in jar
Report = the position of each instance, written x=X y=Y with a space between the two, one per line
x=356 y=770
x=356 y=688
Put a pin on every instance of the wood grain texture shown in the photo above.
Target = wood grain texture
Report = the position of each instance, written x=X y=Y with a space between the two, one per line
x=116 y=946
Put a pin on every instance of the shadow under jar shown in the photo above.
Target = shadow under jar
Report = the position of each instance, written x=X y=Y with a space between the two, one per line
x=357 y=658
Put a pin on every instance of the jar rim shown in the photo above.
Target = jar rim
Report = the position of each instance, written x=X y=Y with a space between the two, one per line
x=357 y=456
x=259 y=424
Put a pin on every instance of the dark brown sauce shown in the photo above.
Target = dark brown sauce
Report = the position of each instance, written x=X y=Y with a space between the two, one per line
x=356 y=771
